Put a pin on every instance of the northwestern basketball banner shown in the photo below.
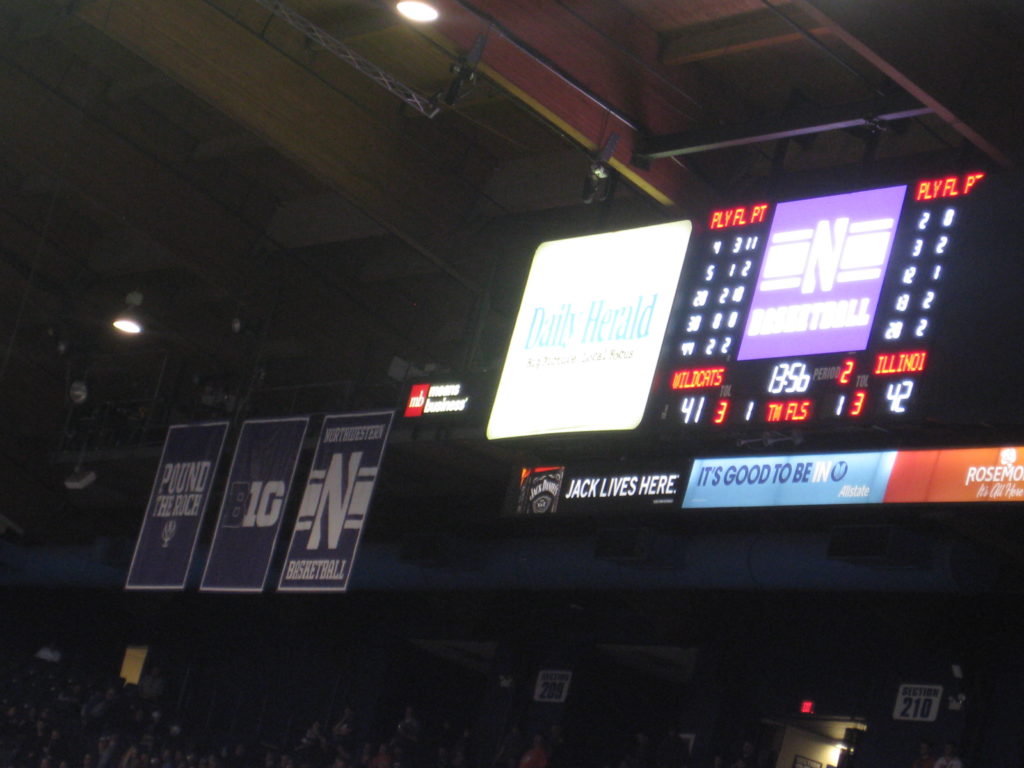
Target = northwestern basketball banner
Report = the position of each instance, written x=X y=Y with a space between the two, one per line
x=251 y=511
x=335 y=504
x=188 y=465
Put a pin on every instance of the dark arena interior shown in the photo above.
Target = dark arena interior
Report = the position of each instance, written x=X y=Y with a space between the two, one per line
x=544 y=384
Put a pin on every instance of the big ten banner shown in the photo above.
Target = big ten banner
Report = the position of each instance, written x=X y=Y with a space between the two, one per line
x=251 y=511
x=597 y=488
x=335 y=504
x=174 y=515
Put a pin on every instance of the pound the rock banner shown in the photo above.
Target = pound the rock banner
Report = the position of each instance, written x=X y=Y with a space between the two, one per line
x=177 y=504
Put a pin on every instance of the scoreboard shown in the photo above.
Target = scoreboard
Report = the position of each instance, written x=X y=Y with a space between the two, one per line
x=879 y=306
x=816 y=311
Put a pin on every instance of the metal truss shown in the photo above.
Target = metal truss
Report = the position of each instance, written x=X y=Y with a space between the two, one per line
x=357 y=61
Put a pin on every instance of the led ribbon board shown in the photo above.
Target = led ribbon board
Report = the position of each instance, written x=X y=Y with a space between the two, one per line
x=946 y=475
x=589 y=332
x=817 y=310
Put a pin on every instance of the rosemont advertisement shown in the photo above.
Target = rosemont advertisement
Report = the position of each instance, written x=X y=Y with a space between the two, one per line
x=589 y=331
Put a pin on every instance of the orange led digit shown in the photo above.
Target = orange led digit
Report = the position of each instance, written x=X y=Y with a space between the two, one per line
x=857 y=406
x=847 y=371
x=721 y=411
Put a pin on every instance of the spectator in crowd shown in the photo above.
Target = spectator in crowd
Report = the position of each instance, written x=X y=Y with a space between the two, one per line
x=949 y=758
x=512 y=747
x=925 y=759
x=536 y=756
x=343 y=734
x=407 y=736
x=151 y=685
x=673 y=751
x=382 y=759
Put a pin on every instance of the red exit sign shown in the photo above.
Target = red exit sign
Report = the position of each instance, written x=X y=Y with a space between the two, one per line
x=739 y=216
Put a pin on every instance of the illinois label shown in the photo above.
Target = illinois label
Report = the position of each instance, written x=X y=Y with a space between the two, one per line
x=251 y=511
x=177 y=503
x=335 y=503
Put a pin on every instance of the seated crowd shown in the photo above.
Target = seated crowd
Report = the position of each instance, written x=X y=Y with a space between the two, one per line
x=53 y=716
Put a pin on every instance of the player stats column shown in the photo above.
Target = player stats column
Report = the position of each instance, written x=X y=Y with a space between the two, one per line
x=715 y=302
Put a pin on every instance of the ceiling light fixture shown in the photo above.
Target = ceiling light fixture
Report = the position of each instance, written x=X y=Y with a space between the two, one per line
x=128 y=320
x=416 y=10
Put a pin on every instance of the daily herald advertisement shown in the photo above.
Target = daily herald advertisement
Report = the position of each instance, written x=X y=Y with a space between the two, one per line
x=589 y=332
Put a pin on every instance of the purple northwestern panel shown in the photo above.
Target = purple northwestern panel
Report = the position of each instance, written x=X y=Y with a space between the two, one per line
x=821 y=275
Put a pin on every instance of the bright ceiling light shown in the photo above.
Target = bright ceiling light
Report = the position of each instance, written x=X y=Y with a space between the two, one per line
x=126 y=324
x=128 y=320
x=416 y=10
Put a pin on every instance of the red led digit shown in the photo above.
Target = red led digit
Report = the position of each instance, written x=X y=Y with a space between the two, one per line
x=971 y=180
x=721 y=410
x=857 y=406
x=847 y=372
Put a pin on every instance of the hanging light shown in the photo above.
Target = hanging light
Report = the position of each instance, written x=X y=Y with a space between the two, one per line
x=416 y=10
x=128 y=320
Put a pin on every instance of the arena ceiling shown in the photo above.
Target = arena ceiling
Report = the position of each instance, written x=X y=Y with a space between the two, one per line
x=311 y=194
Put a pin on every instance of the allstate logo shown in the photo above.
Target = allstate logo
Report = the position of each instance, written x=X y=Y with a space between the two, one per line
x=1008 y=456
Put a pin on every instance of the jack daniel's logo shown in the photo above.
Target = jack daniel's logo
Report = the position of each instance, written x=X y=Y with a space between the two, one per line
x=539 y=489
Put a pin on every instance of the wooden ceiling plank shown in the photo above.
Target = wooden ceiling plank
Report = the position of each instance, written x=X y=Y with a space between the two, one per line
x=944 y=68
x=562 y=103
x=117 y=177
x=364 y=155
x=738 y=34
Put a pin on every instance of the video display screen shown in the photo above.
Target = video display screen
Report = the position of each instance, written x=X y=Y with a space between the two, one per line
x=589 y=332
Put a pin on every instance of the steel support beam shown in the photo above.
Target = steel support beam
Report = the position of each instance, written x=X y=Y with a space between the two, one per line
x=797 y=123
x=580 y=88
x=965 y=64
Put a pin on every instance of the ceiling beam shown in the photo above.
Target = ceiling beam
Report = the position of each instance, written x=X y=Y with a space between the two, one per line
x=590 y=90
x=799 y=122
x=367 y=155
x=120 y=182
x=736 y=34
x=966 y=60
